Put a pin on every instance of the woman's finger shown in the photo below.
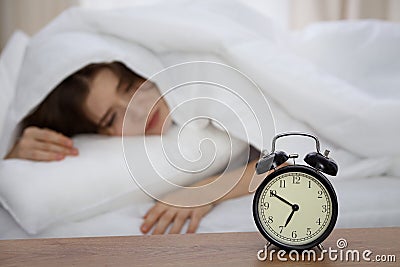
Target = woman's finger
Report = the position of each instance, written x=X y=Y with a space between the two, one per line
x=52 y=147
x=46 y=135
x=163 y=222
x=150 y=211
x=194 y=223
x=179 y=221
x=40 y=155
x=151 y=218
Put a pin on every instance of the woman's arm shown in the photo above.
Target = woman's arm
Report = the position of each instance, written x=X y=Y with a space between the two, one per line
x=162 y=215
x=242 y=187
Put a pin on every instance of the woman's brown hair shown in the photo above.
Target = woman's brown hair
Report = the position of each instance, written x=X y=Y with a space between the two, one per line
x=63 y=109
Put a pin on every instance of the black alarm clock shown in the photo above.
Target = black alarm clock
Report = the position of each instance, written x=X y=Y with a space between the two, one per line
x=296 y=207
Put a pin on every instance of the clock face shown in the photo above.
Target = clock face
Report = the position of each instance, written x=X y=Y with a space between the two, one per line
x=296 y=207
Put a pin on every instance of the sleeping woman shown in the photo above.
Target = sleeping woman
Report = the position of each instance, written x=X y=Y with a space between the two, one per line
x=97 y=104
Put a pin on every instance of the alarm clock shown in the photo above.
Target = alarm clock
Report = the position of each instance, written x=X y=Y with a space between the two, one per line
x=295 y=207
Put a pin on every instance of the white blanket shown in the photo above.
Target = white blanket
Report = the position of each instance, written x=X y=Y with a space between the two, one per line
x=339 y=80
x=348 y=96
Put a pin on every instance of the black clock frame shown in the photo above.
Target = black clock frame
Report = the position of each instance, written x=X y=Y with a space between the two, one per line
x=317 y=175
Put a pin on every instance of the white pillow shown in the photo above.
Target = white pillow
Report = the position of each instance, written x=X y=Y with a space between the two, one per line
x=38 y=194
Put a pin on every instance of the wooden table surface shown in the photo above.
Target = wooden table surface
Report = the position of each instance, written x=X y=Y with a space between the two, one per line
x=219 y=249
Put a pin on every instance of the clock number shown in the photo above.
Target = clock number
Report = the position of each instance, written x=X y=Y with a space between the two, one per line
x=318 y=221
x=270 y=219
x=266 y=205
x=324 y=209
x=308 y=231
x=281 y=228
x=294 y=234
x=319 y=194
x=296 y=179
x=309 y=184
x=282 y=183
x=272 y=193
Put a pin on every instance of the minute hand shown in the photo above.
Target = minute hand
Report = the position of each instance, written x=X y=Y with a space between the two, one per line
x=283 y=200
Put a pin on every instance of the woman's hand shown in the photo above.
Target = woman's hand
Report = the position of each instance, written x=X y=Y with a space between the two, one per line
x=42 y=145
x=162 y=215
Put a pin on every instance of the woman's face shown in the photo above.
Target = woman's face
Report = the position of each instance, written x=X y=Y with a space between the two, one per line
x=108 y=101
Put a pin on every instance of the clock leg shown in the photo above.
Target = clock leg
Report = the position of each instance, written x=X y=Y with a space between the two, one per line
x=320 y=247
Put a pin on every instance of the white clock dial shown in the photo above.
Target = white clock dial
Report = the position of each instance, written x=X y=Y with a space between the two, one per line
x=295 y=208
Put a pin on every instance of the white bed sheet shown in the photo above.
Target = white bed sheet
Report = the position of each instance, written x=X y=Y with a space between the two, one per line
x=371 y=202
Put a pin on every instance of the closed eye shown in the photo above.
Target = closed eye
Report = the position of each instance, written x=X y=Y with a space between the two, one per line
x=129 y=87
x=111 y=120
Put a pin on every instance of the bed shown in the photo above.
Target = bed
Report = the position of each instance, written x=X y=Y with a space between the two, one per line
x=368 y=202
